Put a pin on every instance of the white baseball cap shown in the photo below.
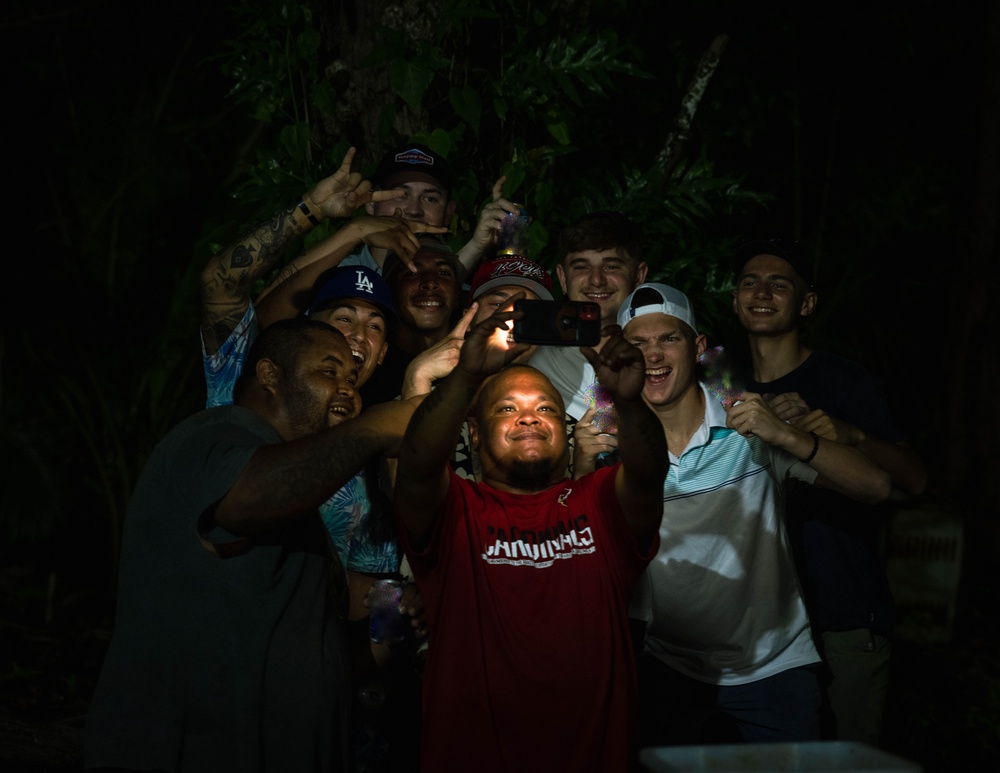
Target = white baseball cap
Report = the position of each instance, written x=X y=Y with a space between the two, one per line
x=654 y=298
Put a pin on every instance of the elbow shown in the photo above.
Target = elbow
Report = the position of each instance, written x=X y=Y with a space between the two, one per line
x=880 y=489
x=914 y=485
x=235 y=521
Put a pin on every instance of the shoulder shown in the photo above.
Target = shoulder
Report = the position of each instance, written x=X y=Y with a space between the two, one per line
x=362 y=257
x=230 y=424
x=830 y=363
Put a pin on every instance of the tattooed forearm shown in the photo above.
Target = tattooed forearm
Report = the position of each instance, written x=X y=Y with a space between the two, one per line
x=435 y=425
x=232 y=272
x=242 y=256
x=287 y=275
x=228 y=277
x=251 y=257
x=312 y=479
x=286 y=481
x=443 y=407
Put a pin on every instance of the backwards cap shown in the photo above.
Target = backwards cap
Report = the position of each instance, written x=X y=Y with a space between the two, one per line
x=655 y=298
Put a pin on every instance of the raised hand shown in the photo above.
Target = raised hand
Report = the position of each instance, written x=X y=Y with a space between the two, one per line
x=490 y=218
x=588 y=443
x=437 y=361
x=394 y=233
x=344 y=191
x=485 y=350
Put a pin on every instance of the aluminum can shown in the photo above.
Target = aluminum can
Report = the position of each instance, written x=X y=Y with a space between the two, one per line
x=512 y=234
x=386 y=623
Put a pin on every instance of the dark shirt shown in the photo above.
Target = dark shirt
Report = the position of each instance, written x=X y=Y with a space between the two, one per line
x=835 y=539
x=222 y=664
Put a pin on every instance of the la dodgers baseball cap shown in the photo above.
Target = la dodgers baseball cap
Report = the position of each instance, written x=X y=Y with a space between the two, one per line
x=358 y=282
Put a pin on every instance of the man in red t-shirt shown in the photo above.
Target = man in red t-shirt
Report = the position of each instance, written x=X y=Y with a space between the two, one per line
x=526 y=577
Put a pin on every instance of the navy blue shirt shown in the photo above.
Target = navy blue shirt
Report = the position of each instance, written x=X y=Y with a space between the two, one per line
x=835 y=539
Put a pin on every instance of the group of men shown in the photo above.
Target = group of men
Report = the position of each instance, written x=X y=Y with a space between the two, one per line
x=606 y=556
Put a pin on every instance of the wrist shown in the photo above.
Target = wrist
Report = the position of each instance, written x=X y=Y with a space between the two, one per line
x=308 y=209
x=815 y=448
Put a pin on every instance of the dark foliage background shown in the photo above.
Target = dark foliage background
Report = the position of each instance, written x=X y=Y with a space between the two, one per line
x=140 y=139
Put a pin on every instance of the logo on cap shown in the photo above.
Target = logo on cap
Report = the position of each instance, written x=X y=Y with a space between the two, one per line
x=528 y=270
x=364 y=284
x=414 y=156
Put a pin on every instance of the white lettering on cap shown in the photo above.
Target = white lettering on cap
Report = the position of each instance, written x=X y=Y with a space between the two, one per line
x=364 y=284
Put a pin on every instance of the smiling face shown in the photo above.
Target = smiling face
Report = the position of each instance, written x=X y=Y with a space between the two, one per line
x=499 y=298
x=319 y=391
x=423 y=201
x=519 y=430
x=425 y=300
x=770 y=297
x=605 y=277
x=670 y=350
x=365 y=328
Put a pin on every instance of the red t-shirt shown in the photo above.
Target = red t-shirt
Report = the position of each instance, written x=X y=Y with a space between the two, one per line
x=529 y=664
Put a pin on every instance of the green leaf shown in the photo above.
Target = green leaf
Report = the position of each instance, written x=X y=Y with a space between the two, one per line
x=409 y=80
x=295 y=141
x=515 y=173
x=467 y=105
x=323 y=97
x=500 y=108
x=560 y=131
x=307 y=44
x=441 y=141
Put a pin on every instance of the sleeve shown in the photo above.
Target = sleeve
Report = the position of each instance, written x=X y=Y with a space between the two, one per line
x=224 y=367
x=208 y=462
x=787 y=466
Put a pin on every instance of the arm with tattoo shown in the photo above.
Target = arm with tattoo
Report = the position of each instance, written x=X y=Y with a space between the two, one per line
x=228 y=276
x=284 y=481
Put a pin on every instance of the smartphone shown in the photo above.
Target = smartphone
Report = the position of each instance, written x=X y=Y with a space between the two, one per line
x=558 y=323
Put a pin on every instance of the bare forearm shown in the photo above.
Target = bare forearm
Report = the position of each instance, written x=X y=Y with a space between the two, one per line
x=907 y=472
x=468 y=258
x=642 y=444
x=287 y=295
x=432 y=432
x=843 y=468
x=642 y=449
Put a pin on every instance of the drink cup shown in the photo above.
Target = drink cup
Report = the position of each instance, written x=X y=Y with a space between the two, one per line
x=387 y=623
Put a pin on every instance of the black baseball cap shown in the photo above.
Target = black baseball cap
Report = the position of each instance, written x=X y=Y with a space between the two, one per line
x=413 y=158
x=787 y=249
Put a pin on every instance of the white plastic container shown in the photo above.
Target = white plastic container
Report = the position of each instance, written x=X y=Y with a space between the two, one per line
x=806 y=757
